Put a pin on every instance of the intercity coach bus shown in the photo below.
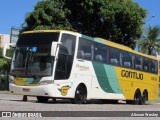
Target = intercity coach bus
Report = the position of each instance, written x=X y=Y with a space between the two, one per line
x=64 y=64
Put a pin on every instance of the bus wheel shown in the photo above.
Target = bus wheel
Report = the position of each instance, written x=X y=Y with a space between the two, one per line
x=137 y=98
x=42 y=99
x=144 y=97
x=80 y=95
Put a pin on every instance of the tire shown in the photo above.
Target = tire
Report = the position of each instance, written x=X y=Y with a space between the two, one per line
x=42 y=99
x=144 y=97
x=137 y=98
x=80 y=95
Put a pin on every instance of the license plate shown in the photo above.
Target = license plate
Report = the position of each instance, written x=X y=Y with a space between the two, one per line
x=26 y=89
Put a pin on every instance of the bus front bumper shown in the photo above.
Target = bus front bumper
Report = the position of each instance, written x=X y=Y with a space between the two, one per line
x=41 y=90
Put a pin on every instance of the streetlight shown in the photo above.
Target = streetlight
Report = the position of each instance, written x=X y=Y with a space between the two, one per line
x=138 y=47
x=150 y=18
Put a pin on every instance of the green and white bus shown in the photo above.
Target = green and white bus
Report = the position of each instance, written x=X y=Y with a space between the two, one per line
x=64 y=64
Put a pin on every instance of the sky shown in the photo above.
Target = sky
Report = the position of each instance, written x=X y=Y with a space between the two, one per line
x=13 y=12
x=152 y=6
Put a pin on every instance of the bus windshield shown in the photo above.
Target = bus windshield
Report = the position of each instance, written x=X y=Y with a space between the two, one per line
x=32 y=56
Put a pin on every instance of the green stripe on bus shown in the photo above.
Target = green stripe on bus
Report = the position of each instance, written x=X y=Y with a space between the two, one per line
x=107 y=78
x=87 y=37
x=102 y=77
x=113 y=79
x=32 y=81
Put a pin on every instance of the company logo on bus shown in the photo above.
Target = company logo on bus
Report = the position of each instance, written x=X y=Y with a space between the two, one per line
x=64 y=90
x=82 y=68
x=130 y=74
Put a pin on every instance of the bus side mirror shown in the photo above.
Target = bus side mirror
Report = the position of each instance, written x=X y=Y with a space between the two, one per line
x=54 y=48
x=4 y=50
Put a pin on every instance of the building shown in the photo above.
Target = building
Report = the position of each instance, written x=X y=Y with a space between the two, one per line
x=4 y=38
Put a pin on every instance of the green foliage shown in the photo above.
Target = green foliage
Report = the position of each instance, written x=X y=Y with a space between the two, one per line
x=46 y=15
x=124 y=20
x=117 y=20
x=4 y=67
x=5 y=63
x=150 y=41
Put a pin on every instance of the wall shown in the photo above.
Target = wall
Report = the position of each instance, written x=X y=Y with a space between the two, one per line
x=4 y=38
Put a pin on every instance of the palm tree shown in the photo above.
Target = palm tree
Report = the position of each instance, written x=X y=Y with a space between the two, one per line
x=150 y=42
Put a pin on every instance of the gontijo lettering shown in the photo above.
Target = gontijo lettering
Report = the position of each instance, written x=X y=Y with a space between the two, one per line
x=130 y=74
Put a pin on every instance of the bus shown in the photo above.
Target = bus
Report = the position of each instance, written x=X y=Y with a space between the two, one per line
x=61 y=64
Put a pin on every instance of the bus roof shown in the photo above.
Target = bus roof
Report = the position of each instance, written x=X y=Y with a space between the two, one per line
x=41 y=31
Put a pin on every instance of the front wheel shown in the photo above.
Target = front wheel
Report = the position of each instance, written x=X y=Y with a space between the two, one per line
x=137 y=99
x=80 y=95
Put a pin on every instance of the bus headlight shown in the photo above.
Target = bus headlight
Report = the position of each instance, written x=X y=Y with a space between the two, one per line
x=46 y=82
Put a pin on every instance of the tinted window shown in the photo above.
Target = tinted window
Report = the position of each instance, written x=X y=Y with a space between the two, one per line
x=138 y=62
x=146 y=64
x=85 y=49
x=65 y=57
x=100 y=53
x=153 y=66
x=37 y=39
x=114 y=56
x=126 y=59
x=156 y=67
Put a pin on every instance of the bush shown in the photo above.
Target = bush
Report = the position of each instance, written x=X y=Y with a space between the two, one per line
x=4 y=70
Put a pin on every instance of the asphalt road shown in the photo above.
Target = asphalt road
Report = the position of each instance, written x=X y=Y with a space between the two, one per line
x=14 y=103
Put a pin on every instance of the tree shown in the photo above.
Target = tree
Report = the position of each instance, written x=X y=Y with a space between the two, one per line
x=120 y=21
x=5 y=65
x=150 y=42
x=47 y=14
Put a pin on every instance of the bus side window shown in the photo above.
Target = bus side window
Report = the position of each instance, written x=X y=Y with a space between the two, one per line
x=132 y=59
x=138 y=62
x=85 y=49
x=152 y=66
x=65 y=56
x=100 y=53
x=80 y=54
x=114 y=56
x=156 y=67
x=146 y=64
x=126 y=59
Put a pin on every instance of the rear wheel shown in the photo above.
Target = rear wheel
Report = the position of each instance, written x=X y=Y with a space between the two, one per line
x=42 y=99
x=80 y=95
x=144 y=97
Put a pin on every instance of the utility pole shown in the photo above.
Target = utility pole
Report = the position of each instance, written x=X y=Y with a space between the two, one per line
x=138 y=47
